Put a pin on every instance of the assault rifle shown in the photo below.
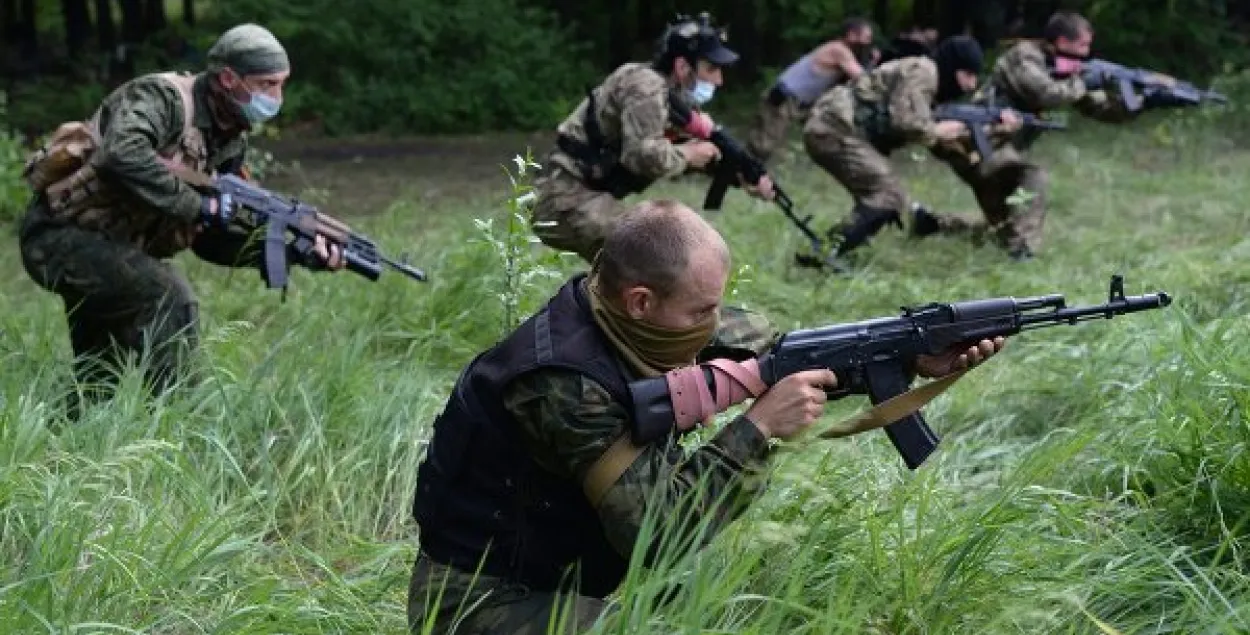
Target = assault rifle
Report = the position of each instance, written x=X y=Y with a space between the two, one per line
x=977 y=116
x=873 y=357
x=735 y=160
x=251 y=206
x=1157 y=90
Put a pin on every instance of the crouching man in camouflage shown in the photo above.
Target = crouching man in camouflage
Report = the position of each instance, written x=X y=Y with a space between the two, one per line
x=620 y=139
x=99 y=237
x=854 y=127
x=1010 y=188
x=532 y=495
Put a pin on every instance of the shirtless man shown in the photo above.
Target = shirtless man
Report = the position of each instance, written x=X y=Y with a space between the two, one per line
x=799 y=86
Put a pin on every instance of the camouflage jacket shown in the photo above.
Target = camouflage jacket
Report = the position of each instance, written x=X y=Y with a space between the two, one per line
x=136 y=121
x=1022 y=80
x=568 y=421
x=890 y=106
x=631 y=106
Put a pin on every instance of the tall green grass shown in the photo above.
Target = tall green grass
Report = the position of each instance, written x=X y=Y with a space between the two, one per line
x=1092 y=479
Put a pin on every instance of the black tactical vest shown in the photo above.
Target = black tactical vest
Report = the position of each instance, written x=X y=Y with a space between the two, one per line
x=478 y=487
x=598 y=160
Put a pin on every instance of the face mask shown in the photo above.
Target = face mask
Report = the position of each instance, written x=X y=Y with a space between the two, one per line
x=261 y=108
x=702 y=92
x=650 y=349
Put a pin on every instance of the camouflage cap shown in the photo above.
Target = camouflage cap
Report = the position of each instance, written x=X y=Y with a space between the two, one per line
x=249 y=49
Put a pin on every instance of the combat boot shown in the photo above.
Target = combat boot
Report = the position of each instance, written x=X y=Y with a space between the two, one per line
x=923 y=222
x=865 y=223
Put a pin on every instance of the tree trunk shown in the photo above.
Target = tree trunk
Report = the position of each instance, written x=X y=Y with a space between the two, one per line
x=77 y=26
x=952 y=17
x=154 y=16
x=744 y=39
x=28 y=31
x=620 y=45
x=881 y=14
x=8 y=21
x=188 y=12
x=132 y=22
x=105 y=30
x=925 y=12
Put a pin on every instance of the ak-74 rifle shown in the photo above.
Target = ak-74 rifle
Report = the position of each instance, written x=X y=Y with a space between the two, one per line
x=735 y=160
x=250 y=206
x=977 y=117
x=871 y=358
x=1141 y=88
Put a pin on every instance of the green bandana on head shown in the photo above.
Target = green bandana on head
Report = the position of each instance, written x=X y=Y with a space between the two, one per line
x=650 y=349
x=249 y=49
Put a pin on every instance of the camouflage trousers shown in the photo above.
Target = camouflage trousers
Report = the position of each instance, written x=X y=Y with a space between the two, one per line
x=569 y=216
x=865 y=173
x=1016 y=225
x=458 y=603
x=118 y=300
x=867 y=176
x=776 y=112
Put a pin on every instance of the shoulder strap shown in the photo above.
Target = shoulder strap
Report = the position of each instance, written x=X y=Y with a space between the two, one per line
x=607 y=470
x=185 y=85
x=590 y=123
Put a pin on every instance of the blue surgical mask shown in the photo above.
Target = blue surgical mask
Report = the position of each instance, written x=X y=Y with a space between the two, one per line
x=702 y=92
x=261 y=108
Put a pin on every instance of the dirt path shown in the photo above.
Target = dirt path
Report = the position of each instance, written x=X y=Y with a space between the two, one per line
x=366 y=174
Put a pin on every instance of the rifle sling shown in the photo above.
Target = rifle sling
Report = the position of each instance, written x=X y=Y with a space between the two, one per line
x=892 y=409
x=609 y=467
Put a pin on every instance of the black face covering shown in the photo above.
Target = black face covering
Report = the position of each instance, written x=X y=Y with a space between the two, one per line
x=862 y=52
x=958 y=53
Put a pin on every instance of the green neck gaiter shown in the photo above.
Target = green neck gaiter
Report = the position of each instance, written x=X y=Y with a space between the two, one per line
x=651 y=350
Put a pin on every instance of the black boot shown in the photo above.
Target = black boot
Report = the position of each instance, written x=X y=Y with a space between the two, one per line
x=866 y=222
x=1020 y=254
x=923 y=222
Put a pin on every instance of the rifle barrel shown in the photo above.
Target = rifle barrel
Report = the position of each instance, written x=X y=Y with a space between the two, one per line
x=1072 y=315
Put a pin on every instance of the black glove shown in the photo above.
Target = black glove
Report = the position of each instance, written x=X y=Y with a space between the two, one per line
x=225 y=210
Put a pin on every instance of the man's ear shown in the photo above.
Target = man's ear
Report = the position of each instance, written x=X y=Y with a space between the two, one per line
x=681 y=69
x=638 y=301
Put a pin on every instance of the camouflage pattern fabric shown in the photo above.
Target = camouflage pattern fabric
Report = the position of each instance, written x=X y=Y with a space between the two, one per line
x=570 y=216
x=864 y=172
x=772 y=122
x=114 y=292
x=632 y=110
x=110 y=276
x=1016 y=226
x=883 y=108
x=1021 y=79
x=567 y=422
x=461 y=603
x=144 y=204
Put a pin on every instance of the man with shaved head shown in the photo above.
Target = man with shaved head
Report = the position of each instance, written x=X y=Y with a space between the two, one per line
x=532 y=495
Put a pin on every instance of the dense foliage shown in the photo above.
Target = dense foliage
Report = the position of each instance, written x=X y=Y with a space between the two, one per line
x=442 y=67
x=1092 y=479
